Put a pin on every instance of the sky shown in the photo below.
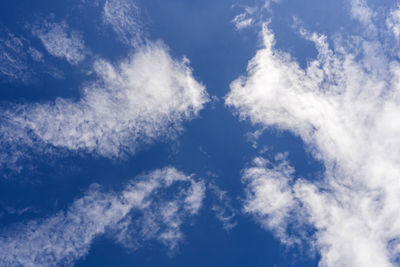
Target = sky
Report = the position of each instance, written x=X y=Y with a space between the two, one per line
x=200 y=133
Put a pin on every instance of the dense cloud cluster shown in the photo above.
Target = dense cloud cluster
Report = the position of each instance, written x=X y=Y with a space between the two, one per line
x=344 y=105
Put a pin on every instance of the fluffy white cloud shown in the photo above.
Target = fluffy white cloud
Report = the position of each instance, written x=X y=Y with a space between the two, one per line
x=144 y=99
x=123 y=16
x=344 y=105
x=60 y=41
x=143 y=211
x=269 y=196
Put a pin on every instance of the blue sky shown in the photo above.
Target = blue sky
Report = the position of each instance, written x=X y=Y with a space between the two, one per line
x=201 y=133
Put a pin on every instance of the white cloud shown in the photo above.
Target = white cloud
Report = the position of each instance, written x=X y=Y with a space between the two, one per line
x=145 y=98
x=269 y=196
x=252 y=15
x=20 y=62
x=241 y=21
x=344 y=105
x=393 y=21
x=124 y=18
x=222 y=206
x=193 y=199
x=12 y=59
x=267 y=3
x=35 y=54
x=142 y=211
x=60 y=41
x=361 y=12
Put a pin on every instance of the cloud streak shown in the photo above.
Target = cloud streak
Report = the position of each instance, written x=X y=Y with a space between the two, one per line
x=143 y=211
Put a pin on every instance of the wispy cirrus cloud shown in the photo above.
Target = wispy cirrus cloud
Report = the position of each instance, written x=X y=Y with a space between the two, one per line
x=252 y=15
x=344 y=106
x=141 y=212
x=124 y=17
x=60 y=41
x=241 y=21
x=393 y=21
x=13 y=61
x=222 y=206
x=17 y=56
x=143 y=99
